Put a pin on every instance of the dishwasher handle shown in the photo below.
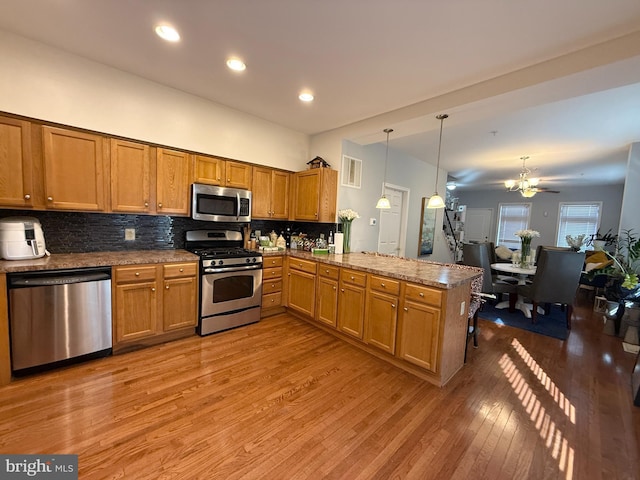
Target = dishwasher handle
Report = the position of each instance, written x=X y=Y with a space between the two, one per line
x=48 y=280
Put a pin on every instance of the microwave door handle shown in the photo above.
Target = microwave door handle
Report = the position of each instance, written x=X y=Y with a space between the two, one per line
x=238 y=204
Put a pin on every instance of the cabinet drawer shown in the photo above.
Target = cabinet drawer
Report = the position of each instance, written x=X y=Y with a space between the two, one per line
x=384 y=284
x=269 y=273
x=419 y=293
x=271 y=286
x=304 y=265
x=174 y=270
x=328 y=271
x=135 y=274
x=268 y=262
x=272 y=300
x=353 y=277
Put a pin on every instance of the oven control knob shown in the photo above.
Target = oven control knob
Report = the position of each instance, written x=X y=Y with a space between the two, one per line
x=248 y=260
x=254 y=260
x=220 y=262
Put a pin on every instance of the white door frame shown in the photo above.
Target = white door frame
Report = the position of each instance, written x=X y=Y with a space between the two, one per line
x=404 y=217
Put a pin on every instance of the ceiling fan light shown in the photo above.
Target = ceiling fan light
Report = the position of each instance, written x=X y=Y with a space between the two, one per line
x=383 y=203
x=435 y=201
x=534 y=181
x=451 y=185
x=528 y=193
x=510 y=183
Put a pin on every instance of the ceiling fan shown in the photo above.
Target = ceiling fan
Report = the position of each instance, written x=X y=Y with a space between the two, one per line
x=526 y=184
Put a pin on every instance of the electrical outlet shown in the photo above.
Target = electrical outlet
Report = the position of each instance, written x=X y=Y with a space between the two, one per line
x=462 y=305
x=373 y=221
x=129 y=233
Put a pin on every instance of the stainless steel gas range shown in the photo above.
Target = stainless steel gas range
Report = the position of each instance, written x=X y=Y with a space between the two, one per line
x=230 y=280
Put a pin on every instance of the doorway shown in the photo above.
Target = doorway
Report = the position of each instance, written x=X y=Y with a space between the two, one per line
x=477 y=225
x=393 y=221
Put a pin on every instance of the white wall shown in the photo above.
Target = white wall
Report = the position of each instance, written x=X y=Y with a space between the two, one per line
x=629 y=215
x=545 y=207
x=42 y=82
x=403 y=171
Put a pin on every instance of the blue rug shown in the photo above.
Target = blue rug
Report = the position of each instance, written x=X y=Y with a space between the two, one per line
x=552 y=325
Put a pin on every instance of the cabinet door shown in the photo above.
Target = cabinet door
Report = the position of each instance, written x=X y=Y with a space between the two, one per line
x=75 y=169
x=301 y=292
x=351 y=310
x=420 y=326
x=172 y=182
x=136 y=311
x=209 y=170
x=381 y=321
x=179 y=303
x=130 y=177
x=307 y=197
x=261 y=193
x=238 y=175
x=16 y=176
x=280 y=194
x=327 y=301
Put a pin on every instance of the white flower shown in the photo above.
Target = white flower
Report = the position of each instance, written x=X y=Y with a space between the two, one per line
x=527 y=233
x=347 y=215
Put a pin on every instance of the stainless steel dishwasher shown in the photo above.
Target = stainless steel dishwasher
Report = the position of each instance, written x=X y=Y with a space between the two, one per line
x=58 y=317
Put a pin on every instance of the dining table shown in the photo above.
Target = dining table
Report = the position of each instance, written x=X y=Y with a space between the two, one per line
x=521 y=273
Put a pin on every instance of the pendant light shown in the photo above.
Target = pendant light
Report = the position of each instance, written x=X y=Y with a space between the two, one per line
x=436 y=201
x=384 y=201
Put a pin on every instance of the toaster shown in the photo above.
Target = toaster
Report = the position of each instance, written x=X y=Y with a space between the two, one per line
x=21 y=238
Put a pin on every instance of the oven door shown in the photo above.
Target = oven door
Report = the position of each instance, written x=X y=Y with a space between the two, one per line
x=230 y=298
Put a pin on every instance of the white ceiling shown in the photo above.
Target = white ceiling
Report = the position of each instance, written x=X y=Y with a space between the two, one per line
x=363 y=58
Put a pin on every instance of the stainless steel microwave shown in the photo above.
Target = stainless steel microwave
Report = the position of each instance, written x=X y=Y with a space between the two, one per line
x=220 y=204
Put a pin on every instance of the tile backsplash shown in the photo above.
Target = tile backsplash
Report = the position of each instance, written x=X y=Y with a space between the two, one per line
x=71 y=232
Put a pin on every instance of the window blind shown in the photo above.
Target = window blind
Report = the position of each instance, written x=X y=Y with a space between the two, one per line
x=512 y=217
x=575 y=219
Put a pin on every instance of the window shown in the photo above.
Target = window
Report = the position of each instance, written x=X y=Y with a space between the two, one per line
x=577 y=218
x=351 y=171
x=511 y=218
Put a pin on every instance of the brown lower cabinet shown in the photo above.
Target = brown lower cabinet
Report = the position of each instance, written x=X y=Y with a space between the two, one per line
x=271 y=285
x=419 y=328
x=153 y=303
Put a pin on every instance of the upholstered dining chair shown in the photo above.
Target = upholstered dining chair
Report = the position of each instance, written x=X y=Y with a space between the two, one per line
x=479 y=255
x=556 y=280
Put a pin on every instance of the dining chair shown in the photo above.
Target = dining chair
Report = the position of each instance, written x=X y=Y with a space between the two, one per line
x=556 y=280
x=549 y=247
x=478 y=255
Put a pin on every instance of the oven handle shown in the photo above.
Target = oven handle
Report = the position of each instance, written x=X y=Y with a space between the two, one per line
x=234 y=269
x=238 y=205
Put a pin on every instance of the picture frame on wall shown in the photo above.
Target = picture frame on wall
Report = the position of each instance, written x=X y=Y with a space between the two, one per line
x=427 y=229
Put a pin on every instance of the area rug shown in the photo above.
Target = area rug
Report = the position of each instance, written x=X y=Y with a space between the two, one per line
x=552 y=325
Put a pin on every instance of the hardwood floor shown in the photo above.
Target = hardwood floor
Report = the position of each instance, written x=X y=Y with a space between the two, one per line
x=282 y=399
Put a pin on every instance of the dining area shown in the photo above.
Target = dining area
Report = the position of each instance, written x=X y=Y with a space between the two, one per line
x=528 y=284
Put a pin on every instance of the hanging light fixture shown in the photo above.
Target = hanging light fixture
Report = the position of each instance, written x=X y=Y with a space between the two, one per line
x=384 y=201
x=436 y=201
x=525 y=185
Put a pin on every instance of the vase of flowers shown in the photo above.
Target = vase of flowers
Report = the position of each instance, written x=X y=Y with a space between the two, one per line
x=575 y=242
x=525 y=246
x=347 y=216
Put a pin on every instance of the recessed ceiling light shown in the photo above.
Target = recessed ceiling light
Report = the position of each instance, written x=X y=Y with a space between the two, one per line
x=306 y=97
x=236 y=64
x=167 y=33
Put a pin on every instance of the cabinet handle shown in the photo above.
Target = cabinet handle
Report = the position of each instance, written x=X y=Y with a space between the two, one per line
x=315 y=214
x=393 y=305
x=153 y=289
x=272 y=285
x=353 y=278
x=137 y=274
x=228 y=179
x=342 y=290
x=146 y=204
x=182 y=270
x=336 y=288
x=382 y=285
x=405 y=309
x=167 y=287
x=160 y=205
x=27 y=197
x=273 y=262
x=50 y=199
x=421 y=294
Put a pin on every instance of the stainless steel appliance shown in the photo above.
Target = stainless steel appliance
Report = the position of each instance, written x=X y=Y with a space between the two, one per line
x=230 y=280
x=21 y=238
x=220 y=204
x=58 y=316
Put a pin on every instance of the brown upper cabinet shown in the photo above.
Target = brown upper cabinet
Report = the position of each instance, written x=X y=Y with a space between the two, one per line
x=270 y=193
x=130 y=177
x=226 y=173
x=17 y=186
x=315 y=195
x=76 y=170
x=172 y=182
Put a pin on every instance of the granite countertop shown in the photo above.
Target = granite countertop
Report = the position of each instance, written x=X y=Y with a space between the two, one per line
x=96 y=259
x=434 y=274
